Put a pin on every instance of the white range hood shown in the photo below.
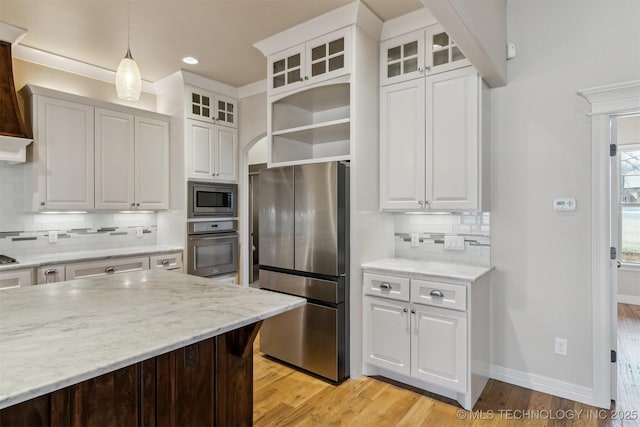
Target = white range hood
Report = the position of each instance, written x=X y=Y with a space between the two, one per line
x=13 y=134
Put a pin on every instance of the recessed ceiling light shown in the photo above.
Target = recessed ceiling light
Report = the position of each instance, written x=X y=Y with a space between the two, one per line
x=190 y=60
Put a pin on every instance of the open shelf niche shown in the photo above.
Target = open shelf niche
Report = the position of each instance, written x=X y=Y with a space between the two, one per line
x=312 y=125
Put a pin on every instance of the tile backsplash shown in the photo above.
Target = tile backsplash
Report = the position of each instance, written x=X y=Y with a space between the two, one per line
x=474 y=228
x=26 y=233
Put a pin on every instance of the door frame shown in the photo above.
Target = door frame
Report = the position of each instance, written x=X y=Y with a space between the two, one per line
x=606 y=102
x=244 y=209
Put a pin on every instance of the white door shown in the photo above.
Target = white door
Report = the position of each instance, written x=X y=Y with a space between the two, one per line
x=225 y=151
x=387 y=335
x=439 y=346
x=152 y=164
x=114 y=160
x=452 y=140
x=328 y=56
x=200 y=150
x=285 y=70
x=65 y=145
x=402 y=155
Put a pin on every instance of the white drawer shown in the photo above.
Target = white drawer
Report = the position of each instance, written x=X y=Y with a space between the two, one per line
x=16 y=278
x=101 y=268
x=439 y=294
x=166 y=261
x=386 y=286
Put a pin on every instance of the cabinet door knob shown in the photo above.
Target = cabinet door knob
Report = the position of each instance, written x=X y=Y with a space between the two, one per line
x=133 y=205
x=41 y=203
x=427 y=68
x=413 y=311
x=404 y=310
x=306 y=77
x=436 y=293
x=110 y=270
x=137 y=204
x=421 y=203
x=385 y=285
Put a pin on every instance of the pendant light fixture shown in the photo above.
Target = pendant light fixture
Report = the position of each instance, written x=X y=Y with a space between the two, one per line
x=128 y=79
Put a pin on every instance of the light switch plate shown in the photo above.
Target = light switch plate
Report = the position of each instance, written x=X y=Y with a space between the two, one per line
x=454 y=243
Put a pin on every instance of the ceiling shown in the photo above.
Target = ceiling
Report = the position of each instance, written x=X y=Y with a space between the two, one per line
x=220 y=33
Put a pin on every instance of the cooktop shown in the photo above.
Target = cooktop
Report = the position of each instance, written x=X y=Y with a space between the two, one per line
x=7 y=260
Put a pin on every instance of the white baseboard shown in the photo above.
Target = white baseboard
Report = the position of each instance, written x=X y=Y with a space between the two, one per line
x=629 y=299
x=543 y=384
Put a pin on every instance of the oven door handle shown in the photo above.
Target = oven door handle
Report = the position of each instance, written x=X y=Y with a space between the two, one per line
x=213 y=237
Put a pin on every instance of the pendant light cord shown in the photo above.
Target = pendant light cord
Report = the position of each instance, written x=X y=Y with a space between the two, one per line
x=128 y=24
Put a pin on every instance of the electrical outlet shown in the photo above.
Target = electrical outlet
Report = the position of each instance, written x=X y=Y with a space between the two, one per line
x=561 y=346
x=53 y=236
x=415 y=240
x=138 y=231
x=454 y=243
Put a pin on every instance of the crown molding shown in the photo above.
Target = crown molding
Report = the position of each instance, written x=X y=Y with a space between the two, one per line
x=72 y=66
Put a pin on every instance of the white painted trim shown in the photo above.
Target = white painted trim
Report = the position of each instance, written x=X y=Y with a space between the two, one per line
x=407 y=23
x=349 y=14
x=197 y=80
x=543 y=384
x=252 y=89
x=11 y=33
x=606 y=101
x=629 y=299
x=69 y=65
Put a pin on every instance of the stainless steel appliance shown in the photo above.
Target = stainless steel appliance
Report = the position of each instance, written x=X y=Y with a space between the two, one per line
x=304 y=251
x=213 y=248
x=209 y=199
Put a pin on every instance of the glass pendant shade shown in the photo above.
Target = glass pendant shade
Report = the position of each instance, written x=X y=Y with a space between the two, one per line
x=128 y=79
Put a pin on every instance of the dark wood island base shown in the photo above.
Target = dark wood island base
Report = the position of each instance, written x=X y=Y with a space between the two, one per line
x=209 y=383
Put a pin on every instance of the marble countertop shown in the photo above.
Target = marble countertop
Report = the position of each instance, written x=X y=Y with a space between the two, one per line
x=53 y=336
x=426 y=269
x=36 y=261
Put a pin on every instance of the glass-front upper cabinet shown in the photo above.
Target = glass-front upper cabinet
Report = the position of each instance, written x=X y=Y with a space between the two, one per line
x=419 y=53
x=207 y=106
x=322 y=58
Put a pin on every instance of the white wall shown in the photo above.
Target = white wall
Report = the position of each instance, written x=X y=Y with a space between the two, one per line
x=540 y=150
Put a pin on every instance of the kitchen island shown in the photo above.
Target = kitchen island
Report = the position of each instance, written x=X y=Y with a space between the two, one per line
x=151 y=347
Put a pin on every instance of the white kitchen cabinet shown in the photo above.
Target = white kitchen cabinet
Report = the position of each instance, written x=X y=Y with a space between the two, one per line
x=63 y=161
x=132 y=161
x=435 y=336
x=172 y=261
x=443 y=364
x=316 y=60
x=16 y=278
x=114 y=160
x=151 y=163
x=434 y=144
x=387 y=334
x=50 y=274
x=211 y=152
x=103 y=267
x=417 y=54
x=207 y=106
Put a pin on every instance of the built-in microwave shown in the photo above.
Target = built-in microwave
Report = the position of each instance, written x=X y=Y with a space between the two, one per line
x=212 y=199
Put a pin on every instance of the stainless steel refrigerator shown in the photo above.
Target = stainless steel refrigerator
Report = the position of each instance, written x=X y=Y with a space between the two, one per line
x=304 y=251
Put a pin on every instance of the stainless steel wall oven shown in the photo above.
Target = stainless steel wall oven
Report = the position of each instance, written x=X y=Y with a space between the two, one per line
x=213 y=248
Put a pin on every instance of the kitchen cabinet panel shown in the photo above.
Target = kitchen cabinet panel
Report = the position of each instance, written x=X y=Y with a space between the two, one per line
x=101 y=268
x=151 y=164
x=211 y=152
x=114 y=160
x=210 y=107
x=50 y=274
x=64 y=154
x=16 y=278
x=433 y=137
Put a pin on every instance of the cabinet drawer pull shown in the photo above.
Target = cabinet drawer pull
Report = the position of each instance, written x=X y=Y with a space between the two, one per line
x=436 y=293
x=50 y=271
x=165 y=262
x=110 y=270
x=385 y=285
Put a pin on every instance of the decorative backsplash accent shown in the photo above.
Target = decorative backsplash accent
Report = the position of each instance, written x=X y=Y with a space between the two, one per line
x=26 y=233
x=474 y=228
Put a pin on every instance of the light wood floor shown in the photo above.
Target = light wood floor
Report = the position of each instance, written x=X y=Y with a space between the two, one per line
x=286 y=397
